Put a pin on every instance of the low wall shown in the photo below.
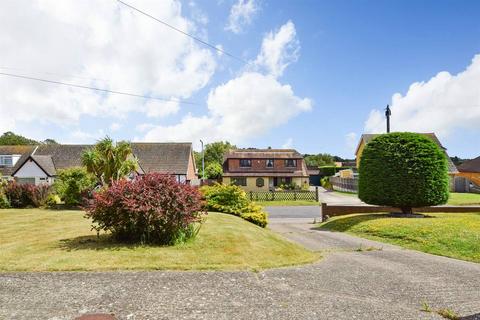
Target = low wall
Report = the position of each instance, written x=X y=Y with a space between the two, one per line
x=341 y=210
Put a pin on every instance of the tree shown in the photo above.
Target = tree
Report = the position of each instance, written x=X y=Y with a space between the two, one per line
x=10 y=138
x=71 y=184
x=213 y=171
x=214 y=153
x=109 y=161
x=49 y=141
x=404 y=170
x=318 y=160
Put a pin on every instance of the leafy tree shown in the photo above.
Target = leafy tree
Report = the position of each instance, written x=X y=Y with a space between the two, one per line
x=71 y=184
x=318 y=160
x=403 y=170
x=214 y=153
x=213 y=171
x=49 y=141
x=10 y=138
x=109 y=161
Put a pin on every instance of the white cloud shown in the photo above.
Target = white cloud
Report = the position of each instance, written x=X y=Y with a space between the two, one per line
x=443 y=104
x=160 y=109
x=279 y=49
x=351 y=140
x=241 y=15
x=245 y=107
x=115 y=126
x=126 y=49
x=288 y=144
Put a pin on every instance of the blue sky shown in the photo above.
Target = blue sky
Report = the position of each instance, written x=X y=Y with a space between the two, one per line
x=316 y=72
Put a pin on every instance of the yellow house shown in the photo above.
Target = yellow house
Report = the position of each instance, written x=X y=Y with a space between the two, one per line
x=470 y=170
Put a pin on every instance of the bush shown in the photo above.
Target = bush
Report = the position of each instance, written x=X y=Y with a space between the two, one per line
x=403 y=170
x=153 y=208
x=328 y=171
x=213 y=171
x=71 y=184
x=52 y=200
x=4 y=203
x=233 y=200
x=26 y=195
x=325 y=182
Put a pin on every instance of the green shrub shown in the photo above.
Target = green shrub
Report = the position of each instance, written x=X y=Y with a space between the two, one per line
x=403 y=170
x=213 y=171
x=52 y=200
x=325 y=182
x=328 y=171
x=233 y=200
x=4 y=203
x=72 y=183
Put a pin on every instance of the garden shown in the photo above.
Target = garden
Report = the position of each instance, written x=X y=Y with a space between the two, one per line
x=134 y=222
x=406 y=171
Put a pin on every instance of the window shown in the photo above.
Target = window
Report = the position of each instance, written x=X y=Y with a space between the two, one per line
x=269 y=163
x=6 y=161
x=239 y=181
x=290 y=163
x=245 y=163
x=260 y=182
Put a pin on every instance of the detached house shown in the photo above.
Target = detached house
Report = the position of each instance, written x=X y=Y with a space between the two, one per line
x=264 y=169
x=40 y=164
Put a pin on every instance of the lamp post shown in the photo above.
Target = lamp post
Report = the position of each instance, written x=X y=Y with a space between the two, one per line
x=388 y=113
x=203 y=161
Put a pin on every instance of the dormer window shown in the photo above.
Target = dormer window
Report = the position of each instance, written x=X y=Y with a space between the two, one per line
x=269 y=163
x=290 y=163
x=245 y=163
x=6 y=161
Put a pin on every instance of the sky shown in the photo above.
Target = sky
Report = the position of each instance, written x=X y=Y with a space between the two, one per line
x=311 y=75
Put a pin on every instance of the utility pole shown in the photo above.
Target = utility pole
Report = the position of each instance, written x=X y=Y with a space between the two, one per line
x=388 y=113
x=203 y=161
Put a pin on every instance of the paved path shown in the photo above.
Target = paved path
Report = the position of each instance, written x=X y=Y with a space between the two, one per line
x=348 y=283
x=331 y=197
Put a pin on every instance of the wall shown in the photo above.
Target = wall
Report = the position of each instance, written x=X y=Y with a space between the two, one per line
x=358 y=155
x=191 y=168
x=251 y=183
x=260 y=165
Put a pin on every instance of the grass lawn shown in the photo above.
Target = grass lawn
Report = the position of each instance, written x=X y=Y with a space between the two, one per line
x=453 y=235
x=459 y=199
x=279 y=203
x=43 y=240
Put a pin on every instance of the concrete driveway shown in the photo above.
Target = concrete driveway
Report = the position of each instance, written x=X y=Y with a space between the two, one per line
x=356 y=279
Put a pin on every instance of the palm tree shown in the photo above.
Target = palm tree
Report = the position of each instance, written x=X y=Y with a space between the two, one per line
x=109 y=161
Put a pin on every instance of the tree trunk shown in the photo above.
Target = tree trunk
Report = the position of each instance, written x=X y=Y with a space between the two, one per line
x=407 y=210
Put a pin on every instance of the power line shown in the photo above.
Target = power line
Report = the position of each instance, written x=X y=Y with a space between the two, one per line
x=96 y=89
x=51 y=74
x=183 y=32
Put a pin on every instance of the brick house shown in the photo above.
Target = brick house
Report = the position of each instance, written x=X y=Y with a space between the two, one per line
x=264 y=169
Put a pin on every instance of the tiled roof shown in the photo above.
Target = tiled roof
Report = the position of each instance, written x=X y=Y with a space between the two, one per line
x=45 y=163
x=152 y=157
x=367 y=137
x=263 y=154
x=470 y=165
x=163 y=157
x=24 y=151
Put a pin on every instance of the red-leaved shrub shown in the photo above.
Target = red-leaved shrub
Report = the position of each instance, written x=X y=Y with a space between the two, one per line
x=26 y=195
x=154 y=208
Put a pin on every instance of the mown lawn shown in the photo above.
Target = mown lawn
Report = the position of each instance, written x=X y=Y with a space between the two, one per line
x=459 y=199
x=455 y=235
x=43 y=240
x=288 y=203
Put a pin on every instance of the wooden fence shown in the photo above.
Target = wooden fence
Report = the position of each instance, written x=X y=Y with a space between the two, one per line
x=344 y=184
x=288 y=195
